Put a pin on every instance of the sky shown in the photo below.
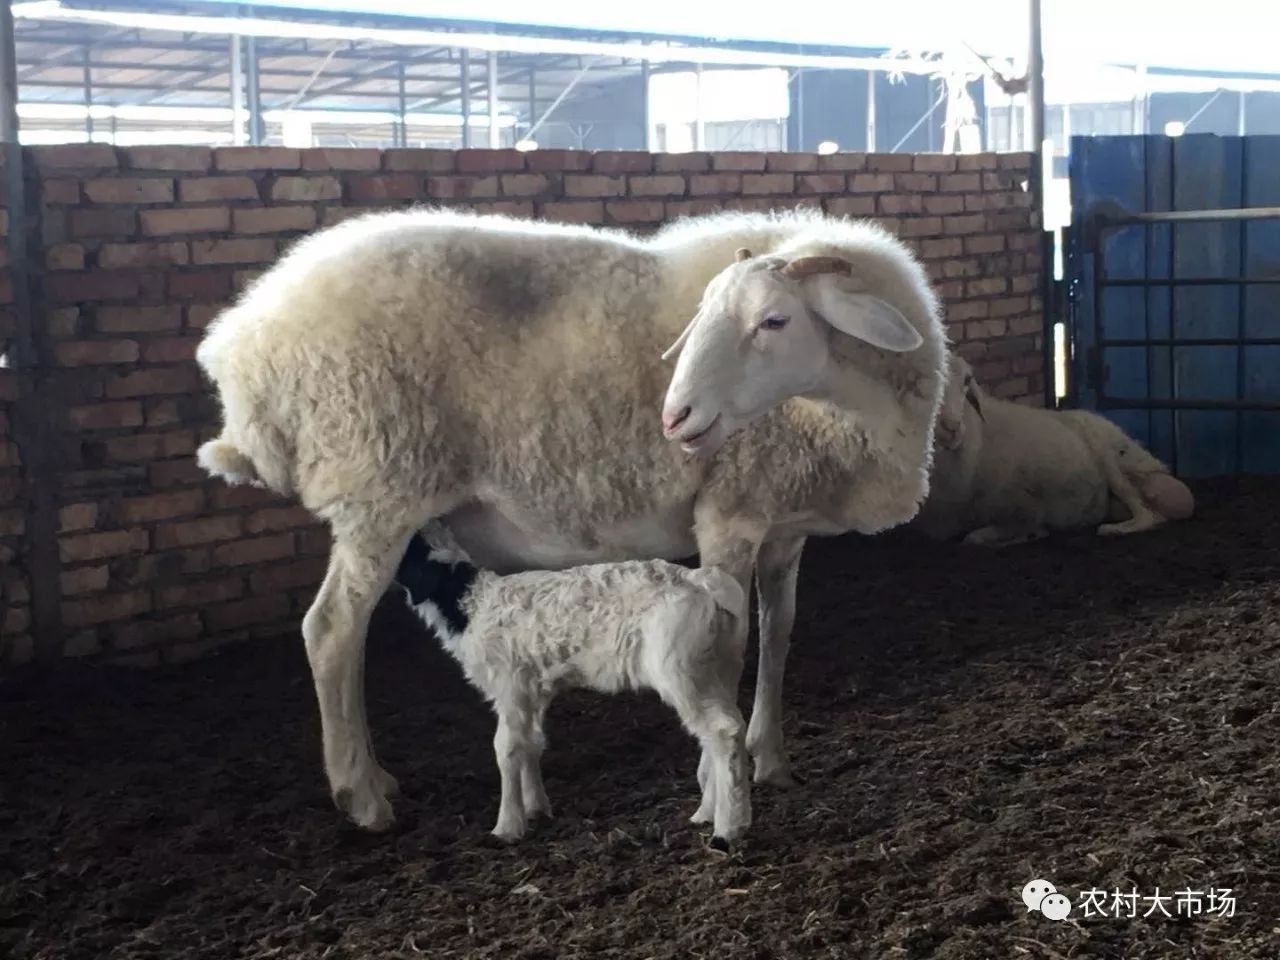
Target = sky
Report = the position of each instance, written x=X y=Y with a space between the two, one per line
x=1237 y=35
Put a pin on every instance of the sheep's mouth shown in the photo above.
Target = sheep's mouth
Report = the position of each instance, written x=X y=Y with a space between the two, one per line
x=700 y=441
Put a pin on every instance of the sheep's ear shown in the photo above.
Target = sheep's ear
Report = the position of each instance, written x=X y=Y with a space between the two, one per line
x=974 y=395
x=863 y=316
x=672 y=350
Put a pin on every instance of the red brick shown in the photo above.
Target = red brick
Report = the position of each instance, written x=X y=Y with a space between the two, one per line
x=84 y=579
x=103 y=609
x=95 y=546
x=920 y=227
x=984 y=330
x=239 y=613
x=107 y=222
x=272 y=219
x=255 y=550
x=1016 y=161
x=140 y=447
x=960 y=182
x=161 y=506
x=75 y=156
x=341 y=158
x=737 y=160
x=1025 y=284
x=847 y=162
x=256 y=250
x=557 y=161
x=662 y=185
x=704 y=184
x=1025 y=326
x=895 y=204
x=77 y=516
x=137 y=319
x=1010 y=306
x=199 y=593
x=850 y=206
x=984 y=244
x=976 y=161
x=987 y=287
x=791 y=162
x=871 y=183
x=84 y=353
x=967 y=223
x=622 y=161
x=306 y=189
x=173 y=473
x=582 y=211
x=282 y=577
x=95 y=285
x=414 y=159
x=682 y=162
x=934 y=163
x=64 y=256
x=17 y=620
x=60 y=192
x=890 y=162
x=594 y=185
x=256 y=158
x=200 y=315
x=278 y=518
x=524 y=184
x=164 y=254
x=236 y=498
x=916 y=182
x=159 y=223
x=190 y=533
x=635 y=211
x=820 y=183
x=461 y=188
x=490 y=161
x=315 y=541
x=385 y=186
x=186 y=159
x=202 y=284
x=144 y=633
x=158 y=380
x=170 y=349
x=204 y=189
x=757 y=184
x=957 y=267
x=129 y=190
x=1028 y=363
x=105 y=416
x=944 y=203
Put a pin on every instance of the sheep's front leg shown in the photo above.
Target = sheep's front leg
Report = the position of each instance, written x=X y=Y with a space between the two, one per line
x=535 y=794
x=361 y=563
x=777 y=567
x=511 y=748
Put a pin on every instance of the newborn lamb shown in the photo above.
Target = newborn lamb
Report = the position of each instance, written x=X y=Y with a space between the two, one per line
x=638 y=625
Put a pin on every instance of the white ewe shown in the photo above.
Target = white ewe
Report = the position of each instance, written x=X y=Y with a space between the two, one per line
x=506 y=376
x=1006 y=473
x=636 y=625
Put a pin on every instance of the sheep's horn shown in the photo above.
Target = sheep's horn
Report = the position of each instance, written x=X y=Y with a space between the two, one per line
x=742 y=254
x=802 y=267
x=672 y=350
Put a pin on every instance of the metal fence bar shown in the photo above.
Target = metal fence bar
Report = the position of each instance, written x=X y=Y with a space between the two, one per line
x=1189 y=281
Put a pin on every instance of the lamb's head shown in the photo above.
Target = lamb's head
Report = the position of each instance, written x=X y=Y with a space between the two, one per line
x=962 y=394
x=762 y=334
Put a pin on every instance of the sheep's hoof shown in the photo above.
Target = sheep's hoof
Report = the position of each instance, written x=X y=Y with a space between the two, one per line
x=508 y=834
x=366 y=807
x=702 y=815
x=775 y=775
x=538 y=811
x=385 y=782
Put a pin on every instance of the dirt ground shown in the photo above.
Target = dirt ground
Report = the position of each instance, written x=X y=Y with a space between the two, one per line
x=1101 y=714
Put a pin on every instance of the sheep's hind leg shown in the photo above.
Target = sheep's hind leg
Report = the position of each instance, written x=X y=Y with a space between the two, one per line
x=998 y=536
x=511 y=748
x=536 y=803
x=361 y=564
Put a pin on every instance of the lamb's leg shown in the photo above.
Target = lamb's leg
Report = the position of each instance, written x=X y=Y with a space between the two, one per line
x=535 y=794
x=776 y=570
x=361 y=563
x=511 y=748
x=706 y=789
x=1005 y=536
x=1142 y=517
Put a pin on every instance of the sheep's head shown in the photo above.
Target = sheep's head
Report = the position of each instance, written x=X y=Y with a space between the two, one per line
x=962 y=394
x=762 y=334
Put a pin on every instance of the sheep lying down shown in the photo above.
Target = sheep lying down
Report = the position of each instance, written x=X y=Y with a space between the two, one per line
x=1005 y=473
x=634 y=625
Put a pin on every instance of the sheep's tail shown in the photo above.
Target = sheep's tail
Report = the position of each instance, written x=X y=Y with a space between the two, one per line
x=723 y=589
x=222 y=458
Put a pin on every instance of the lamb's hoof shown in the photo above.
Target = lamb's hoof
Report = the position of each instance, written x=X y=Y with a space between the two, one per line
x=776 y=774
x=508 y=834
x=540 y=811
x=388 y=784
x=702 y=815
x=719 y=844
x=366 y=807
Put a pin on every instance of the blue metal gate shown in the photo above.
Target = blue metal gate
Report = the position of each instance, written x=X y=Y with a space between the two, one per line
x=1173 y=286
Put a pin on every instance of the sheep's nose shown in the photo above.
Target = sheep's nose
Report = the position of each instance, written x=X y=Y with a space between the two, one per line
x=672 y=420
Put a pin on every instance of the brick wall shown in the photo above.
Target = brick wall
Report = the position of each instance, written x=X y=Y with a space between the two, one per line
x=135 y=250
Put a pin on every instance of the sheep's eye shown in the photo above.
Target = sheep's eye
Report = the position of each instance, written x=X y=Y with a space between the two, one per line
x=774 y=321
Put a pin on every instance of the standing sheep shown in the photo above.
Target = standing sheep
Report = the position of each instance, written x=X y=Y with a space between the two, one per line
x=506 y=376
x=635 y=625
x=1005 y=473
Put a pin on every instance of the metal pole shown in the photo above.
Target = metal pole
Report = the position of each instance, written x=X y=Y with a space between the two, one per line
x=8 y=81
x=871 y=111
x=1140 y=99
x=404 y=113
x=699 y=128
x=257 y=132
x=237 y=93
x=533 y=97
x=466 y=99
x=1035 y=84
x=495 y=140
x=647 y=142
x=1240 y=112
x=87 y=80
